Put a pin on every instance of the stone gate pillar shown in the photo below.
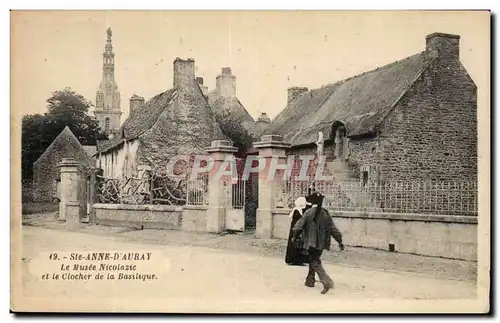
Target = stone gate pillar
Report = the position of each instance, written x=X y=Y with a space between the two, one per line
x=219 y=151
x=270 y=146
x=92 y=194
x=69 y=207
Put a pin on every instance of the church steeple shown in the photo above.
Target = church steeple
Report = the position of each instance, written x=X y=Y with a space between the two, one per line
x=108 y=110
x=108 y=60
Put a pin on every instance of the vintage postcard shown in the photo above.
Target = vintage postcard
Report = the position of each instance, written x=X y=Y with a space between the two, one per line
x=250 y=161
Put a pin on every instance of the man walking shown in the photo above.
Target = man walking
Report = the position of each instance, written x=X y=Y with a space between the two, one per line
x=318 y=228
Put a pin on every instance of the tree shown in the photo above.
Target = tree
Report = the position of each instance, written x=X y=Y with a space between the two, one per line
x=65 y=108
x=234 y=130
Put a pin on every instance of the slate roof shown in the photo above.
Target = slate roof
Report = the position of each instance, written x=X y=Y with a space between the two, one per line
x=139 y=120
x=263 y=121
x=65 y=138
x=220 y=104
x=90 y=150
x=360 y=102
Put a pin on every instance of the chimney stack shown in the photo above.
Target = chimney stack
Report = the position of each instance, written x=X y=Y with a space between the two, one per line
x=443 y=45
x=183 y=72
x=203 y=88
x=226 y=83
x=135 y=102
x=294 y=92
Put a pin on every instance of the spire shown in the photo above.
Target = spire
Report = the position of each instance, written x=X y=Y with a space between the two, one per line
x=108 y=109
x=108 y=60
x=109 y=46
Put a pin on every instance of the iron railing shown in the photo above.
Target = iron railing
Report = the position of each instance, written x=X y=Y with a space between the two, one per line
x=451 y=198
x=197 y=190
x=150 y=188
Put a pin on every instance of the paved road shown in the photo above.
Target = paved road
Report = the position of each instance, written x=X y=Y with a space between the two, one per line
x=202 y=279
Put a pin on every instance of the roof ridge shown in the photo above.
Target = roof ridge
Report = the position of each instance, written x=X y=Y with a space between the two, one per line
x=373 y=70
x=65 y=130
x=156 y=97
x=349 y=79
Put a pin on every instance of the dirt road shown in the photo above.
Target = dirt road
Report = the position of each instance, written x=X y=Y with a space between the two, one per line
x=197 y=278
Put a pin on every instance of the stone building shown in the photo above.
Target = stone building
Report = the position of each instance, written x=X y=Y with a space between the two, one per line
x=107 y=107
x=45 y=171
x=224 y=101
x=178 y=121
x=411 y=120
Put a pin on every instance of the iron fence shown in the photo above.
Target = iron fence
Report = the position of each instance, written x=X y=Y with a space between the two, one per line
x=152 y=187
x=236 y=196
x=197 y=190
x=451 y=198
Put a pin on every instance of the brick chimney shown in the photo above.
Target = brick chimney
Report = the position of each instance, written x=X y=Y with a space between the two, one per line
x=135 y=102
x=183 y=72
x=203 y=88
x=294 y=92
x=226 y=83
x=443 y=45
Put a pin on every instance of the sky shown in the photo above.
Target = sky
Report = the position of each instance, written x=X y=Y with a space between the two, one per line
x=268 y=51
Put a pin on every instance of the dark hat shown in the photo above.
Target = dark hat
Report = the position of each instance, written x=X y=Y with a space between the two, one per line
x=315 y=198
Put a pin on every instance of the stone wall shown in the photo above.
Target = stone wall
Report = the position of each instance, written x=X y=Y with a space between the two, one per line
x=194 y=218
x=186 y=218
x=363 y=156
x=429 y=235
x=328 y=150
x=432 y=132
x=138 y=216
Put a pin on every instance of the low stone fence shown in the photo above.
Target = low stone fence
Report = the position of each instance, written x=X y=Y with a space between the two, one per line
x=188 y=218
x=430 y=235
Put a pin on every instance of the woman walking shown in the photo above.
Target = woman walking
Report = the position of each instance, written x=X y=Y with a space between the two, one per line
x=296 y=255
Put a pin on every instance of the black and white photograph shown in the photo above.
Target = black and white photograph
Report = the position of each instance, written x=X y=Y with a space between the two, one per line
x=250 y=161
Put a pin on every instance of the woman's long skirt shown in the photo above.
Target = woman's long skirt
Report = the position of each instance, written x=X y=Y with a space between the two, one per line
x=295 y=256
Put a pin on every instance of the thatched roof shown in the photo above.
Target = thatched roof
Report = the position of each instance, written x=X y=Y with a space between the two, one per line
x=360 y=102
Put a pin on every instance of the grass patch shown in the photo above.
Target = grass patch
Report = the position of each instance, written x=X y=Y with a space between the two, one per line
x=39 y=207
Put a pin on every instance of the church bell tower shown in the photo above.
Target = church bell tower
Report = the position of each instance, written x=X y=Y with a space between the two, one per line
x=107 y=108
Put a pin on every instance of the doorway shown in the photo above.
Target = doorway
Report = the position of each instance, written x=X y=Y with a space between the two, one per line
x=365 y=178
x=340 y=142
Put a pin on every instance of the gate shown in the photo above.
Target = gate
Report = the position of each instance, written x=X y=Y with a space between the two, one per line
x=234 y=197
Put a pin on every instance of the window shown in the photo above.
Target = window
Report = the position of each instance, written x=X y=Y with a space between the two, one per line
x=365 y=178
x=106 y=125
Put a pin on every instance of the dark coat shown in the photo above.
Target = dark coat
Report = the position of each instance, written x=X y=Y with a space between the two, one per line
x=317 y=233
x=294 y=255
